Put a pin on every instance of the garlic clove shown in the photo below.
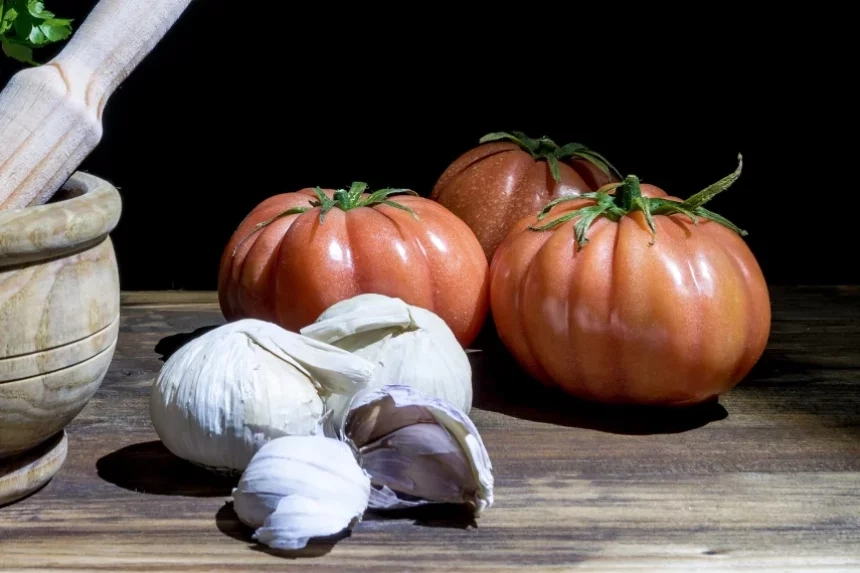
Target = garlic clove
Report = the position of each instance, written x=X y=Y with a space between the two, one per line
x=297 y=520
x=336 y=370
x=410 y=346
x=299 y=487
x=362 y=313
x=418 y=449
x=223 y=395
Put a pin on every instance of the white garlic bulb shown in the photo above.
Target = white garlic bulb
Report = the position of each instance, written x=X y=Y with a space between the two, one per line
x=222 y=396
x=301 y=487
x=417 y=449
x=410 y=345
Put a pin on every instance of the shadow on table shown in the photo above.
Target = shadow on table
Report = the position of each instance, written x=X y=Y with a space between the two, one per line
x=149 y=467
x=502 y=386
x=228 y=523
x=452 y=516
x=170 y=344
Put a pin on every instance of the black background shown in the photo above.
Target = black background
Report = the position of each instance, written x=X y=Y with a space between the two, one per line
x=243 y=101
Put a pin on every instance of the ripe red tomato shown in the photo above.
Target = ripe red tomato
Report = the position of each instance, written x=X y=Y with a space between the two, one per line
x=499 y=182
x=298 y=253
x=654 y=309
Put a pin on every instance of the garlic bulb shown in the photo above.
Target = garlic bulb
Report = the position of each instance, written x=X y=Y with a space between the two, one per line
x=417 y=449
x=301 y=487
x=220 y=397
x=410 y=346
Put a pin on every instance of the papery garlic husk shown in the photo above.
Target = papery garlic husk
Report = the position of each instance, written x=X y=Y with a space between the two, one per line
x=410 y=345
x=301 y=487
x=418 y=450
x=220 y=397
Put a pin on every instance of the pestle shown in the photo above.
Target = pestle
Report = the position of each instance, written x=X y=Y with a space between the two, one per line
x=51 y=115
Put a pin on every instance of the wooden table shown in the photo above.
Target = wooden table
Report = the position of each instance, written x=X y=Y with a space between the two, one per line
x=768 y=479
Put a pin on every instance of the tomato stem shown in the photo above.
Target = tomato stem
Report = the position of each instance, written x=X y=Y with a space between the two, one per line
x=627 y=193
x=548 y=150
x=628 y=198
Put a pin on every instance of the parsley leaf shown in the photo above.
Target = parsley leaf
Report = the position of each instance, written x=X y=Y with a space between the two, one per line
x=26 y=25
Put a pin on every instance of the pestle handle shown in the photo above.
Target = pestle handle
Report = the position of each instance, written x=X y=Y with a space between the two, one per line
x=51 y=115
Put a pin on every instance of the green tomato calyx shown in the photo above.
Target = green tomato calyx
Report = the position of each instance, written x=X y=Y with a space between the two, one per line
x=618 y=200
x=352 y=198
x=343 y=199
x=548 y=150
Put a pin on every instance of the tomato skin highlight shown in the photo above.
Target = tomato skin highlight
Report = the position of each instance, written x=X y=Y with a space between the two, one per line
x=621 y=321
x=293 y=269
x=495 y=184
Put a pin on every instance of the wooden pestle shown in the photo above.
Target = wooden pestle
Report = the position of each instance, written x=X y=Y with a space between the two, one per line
x=51 y=115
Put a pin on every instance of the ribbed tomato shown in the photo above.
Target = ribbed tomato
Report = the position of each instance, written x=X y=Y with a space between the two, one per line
x=665 y=304
x=499 y=182
x=298 y=253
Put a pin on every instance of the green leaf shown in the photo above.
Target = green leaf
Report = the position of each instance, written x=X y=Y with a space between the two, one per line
x=666 y=207
x=569 y=149
x=556 y=222
x=57 y=29
x=7 y=20
x=517 y=137
x=37 y=37
x=705 y=214
x=18 y=52
x=37 y=10
x=355 y=191
x=380 y=195
x=399 y=206
x=23 y=25
x=589 y=214
x=325 y=204
x=554 y=168
x=712 y=191
x=260 y=226
x=545 y=211
x=644 y=205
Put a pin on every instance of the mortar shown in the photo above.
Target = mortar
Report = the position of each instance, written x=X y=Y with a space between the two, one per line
x=59 y=318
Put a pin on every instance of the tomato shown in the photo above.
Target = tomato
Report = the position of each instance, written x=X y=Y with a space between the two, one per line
x=298 y=253
x=497 y=183
x=592 y=299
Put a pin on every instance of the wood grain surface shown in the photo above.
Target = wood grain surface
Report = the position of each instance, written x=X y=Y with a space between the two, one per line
x=767 y=479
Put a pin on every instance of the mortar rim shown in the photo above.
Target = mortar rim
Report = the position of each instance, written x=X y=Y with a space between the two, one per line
x=88 y=209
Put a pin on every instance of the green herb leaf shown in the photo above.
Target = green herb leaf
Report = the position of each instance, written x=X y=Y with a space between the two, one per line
x=37 y=10
x=57 y=29
x=37 y=37
x=26 y=24
x=18 y=52
x=7 y=19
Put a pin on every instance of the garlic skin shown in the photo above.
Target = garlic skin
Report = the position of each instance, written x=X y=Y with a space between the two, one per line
x=221 y=397
x=410 y=345
x=414 y=444
x=300 y=487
